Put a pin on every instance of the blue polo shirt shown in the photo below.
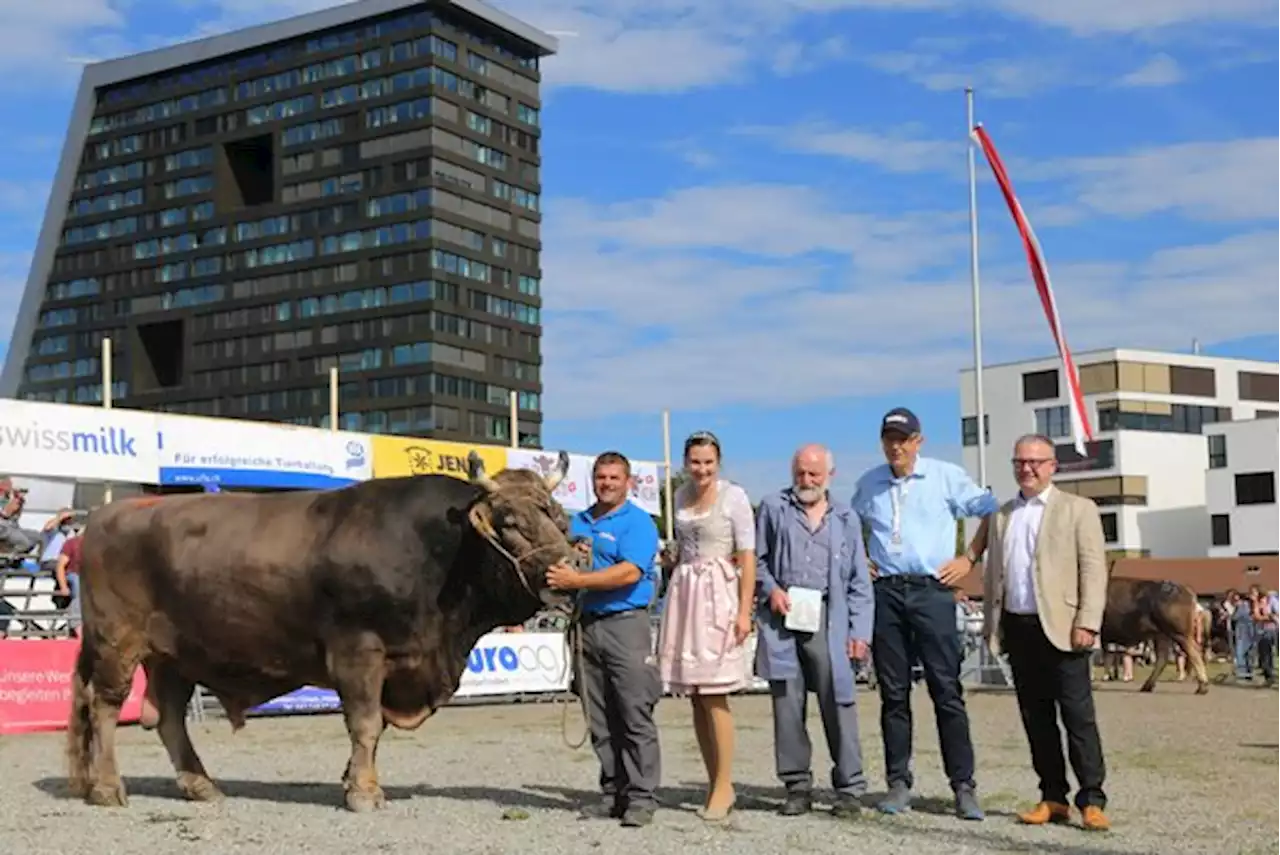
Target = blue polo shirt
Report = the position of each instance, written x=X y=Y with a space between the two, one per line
x=924 y=507
x=627 y=533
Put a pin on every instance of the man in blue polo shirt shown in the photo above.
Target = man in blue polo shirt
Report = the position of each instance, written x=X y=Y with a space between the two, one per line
x=911 y=504
x=618 y=673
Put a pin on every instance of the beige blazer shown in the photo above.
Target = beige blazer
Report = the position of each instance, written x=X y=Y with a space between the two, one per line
x=1070 y=570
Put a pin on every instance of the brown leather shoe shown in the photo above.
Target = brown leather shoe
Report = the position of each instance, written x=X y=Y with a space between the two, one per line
x=1046 y=812
x=1093 y=819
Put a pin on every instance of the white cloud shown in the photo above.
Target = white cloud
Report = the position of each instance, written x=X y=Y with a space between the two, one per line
x=1160 y=70
x=1093 y=17
x=711 y=297
x=45 y=38
x=1220 y=180
x=1215 y=180
x=896 y=151
x=939 y=70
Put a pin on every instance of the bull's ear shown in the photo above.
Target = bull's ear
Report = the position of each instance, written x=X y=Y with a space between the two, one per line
x=481 y=517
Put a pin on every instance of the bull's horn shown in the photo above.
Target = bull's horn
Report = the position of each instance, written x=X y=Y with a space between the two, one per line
x=562 y=469
x=475 y=471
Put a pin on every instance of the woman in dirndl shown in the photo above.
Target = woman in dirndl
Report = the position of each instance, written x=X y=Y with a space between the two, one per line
x=708 y=612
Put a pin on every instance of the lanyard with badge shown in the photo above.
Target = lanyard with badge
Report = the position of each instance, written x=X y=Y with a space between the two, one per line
x=898 y=498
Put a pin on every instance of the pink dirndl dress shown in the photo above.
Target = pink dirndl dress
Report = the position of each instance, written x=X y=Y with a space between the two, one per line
x=697 y=652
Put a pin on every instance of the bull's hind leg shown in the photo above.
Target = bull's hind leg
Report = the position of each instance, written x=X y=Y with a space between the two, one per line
x=357 y=667
x=172 y=695
x=111 y=683
x=1163 y=651
x=1195 y=657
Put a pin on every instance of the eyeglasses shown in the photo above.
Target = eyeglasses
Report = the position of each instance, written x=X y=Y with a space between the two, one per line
x=1030 y=462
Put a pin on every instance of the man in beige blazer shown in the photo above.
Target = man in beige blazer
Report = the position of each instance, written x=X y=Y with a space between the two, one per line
x=1044 y=592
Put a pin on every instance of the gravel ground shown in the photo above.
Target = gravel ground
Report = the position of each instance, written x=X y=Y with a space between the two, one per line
x=1187 y=774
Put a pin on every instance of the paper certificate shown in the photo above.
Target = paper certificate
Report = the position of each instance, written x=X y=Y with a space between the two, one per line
x=805 y=614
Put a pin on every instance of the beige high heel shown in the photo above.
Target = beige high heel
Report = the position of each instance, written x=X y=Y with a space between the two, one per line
x=719 y=814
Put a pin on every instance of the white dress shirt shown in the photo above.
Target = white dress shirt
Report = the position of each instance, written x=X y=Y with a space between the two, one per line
x=1020 y=538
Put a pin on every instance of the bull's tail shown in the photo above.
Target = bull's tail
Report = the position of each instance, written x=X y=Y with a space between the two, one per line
x=80 y=723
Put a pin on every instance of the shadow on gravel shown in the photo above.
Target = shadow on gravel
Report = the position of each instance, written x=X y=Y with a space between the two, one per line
x=945 y=839
x=687 y=796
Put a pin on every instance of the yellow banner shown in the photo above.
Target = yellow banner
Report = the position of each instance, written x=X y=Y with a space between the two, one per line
x=398 y=455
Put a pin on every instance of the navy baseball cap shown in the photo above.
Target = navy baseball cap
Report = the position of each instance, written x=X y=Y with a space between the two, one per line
x=900 y=420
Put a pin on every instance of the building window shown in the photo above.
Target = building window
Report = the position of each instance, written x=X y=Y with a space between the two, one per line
x=969 y=429
x=1112 y=490
x=1110 y=532
x=1220 y=529
x=1217 y=451
x=1054 y=422
x=1198 y=382
x=1098 y=455
x=1158 y=416
x=1265 y=414
x=1143 y=377
x=1255 y=488
x=1040 y=385
x=1258 y=387
x=1098 y=378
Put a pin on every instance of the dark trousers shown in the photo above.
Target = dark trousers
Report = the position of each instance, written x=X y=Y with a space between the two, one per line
x=622 y=687
x=1050 y=682
x=916 y=621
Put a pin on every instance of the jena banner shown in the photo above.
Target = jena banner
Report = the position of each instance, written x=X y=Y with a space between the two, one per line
x=394 y=456
x=84 y=443
x=237 y=453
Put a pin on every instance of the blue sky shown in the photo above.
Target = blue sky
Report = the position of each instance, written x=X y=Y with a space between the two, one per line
x=756 y=210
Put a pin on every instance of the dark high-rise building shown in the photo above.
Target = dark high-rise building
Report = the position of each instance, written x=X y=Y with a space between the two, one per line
x=357 y=187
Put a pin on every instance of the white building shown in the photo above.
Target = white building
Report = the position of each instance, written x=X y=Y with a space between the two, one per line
x=1147 y=410
x=1240 y=488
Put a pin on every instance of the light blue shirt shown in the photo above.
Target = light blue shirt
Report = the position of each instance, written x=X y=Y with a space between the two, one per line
x=53 y=541
x=922 y=508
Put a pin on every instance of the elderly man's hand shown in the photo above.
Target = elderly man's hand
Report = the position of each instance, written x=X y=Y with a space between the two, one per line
x=563 y=577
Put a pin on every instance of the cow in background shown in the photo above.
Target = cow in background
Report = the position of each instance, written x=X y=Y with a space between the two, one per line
x=1160 y=612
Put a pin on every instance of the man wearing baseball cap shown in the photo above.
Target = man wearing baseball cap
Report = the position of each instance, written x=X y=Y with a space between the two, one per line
x=910 y=505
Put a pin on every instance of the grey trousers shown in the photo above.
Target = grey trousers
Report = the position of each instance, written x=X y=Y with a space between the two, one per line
x=791 y=747
x=622 y=687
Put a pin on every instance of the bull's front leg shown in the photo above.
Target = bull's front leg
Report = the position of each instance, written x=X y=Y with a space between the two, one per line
x=358 y=667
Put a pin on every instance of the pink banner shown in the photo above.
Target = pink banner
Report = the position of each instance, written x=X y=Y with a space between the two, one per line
x=35 y=685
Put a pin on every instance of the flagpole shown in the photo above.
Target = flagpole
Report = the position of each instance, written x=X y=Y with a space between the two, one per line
x=979 y=400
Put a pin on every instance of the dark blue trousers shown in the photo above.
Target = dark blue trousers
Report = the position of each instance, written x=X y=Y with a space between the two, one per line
x=916 y=621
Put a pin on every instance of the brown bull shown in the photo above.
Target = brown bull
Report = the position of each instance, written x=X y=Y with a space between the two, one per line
x=378 y=591
x=1162 y=612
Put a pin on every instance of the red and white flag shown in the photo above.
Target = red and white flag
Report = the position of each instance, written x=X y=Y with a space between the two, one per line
x=1080 y=429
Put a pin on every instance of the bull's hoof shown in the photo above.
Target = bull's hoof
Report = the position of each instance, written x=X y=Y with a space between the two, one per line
x=78 y=787
x=366 y=801
x=1147 y=687
x=107 y=795
x=198 y=788
x=1202 y=689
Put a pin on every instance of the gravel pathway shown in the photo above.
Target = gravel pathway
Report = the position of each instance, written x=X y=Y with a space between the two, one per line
x=1187 y=774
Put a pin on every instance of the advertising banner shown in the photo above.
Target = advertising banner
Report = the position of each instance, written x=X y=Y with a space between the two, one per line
x=646 y=486
x=504 y=663
x=501 y=663
x=35 y=685
x=240 y=453
x=84 y=443
x=574 y=493
x=394 y=456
